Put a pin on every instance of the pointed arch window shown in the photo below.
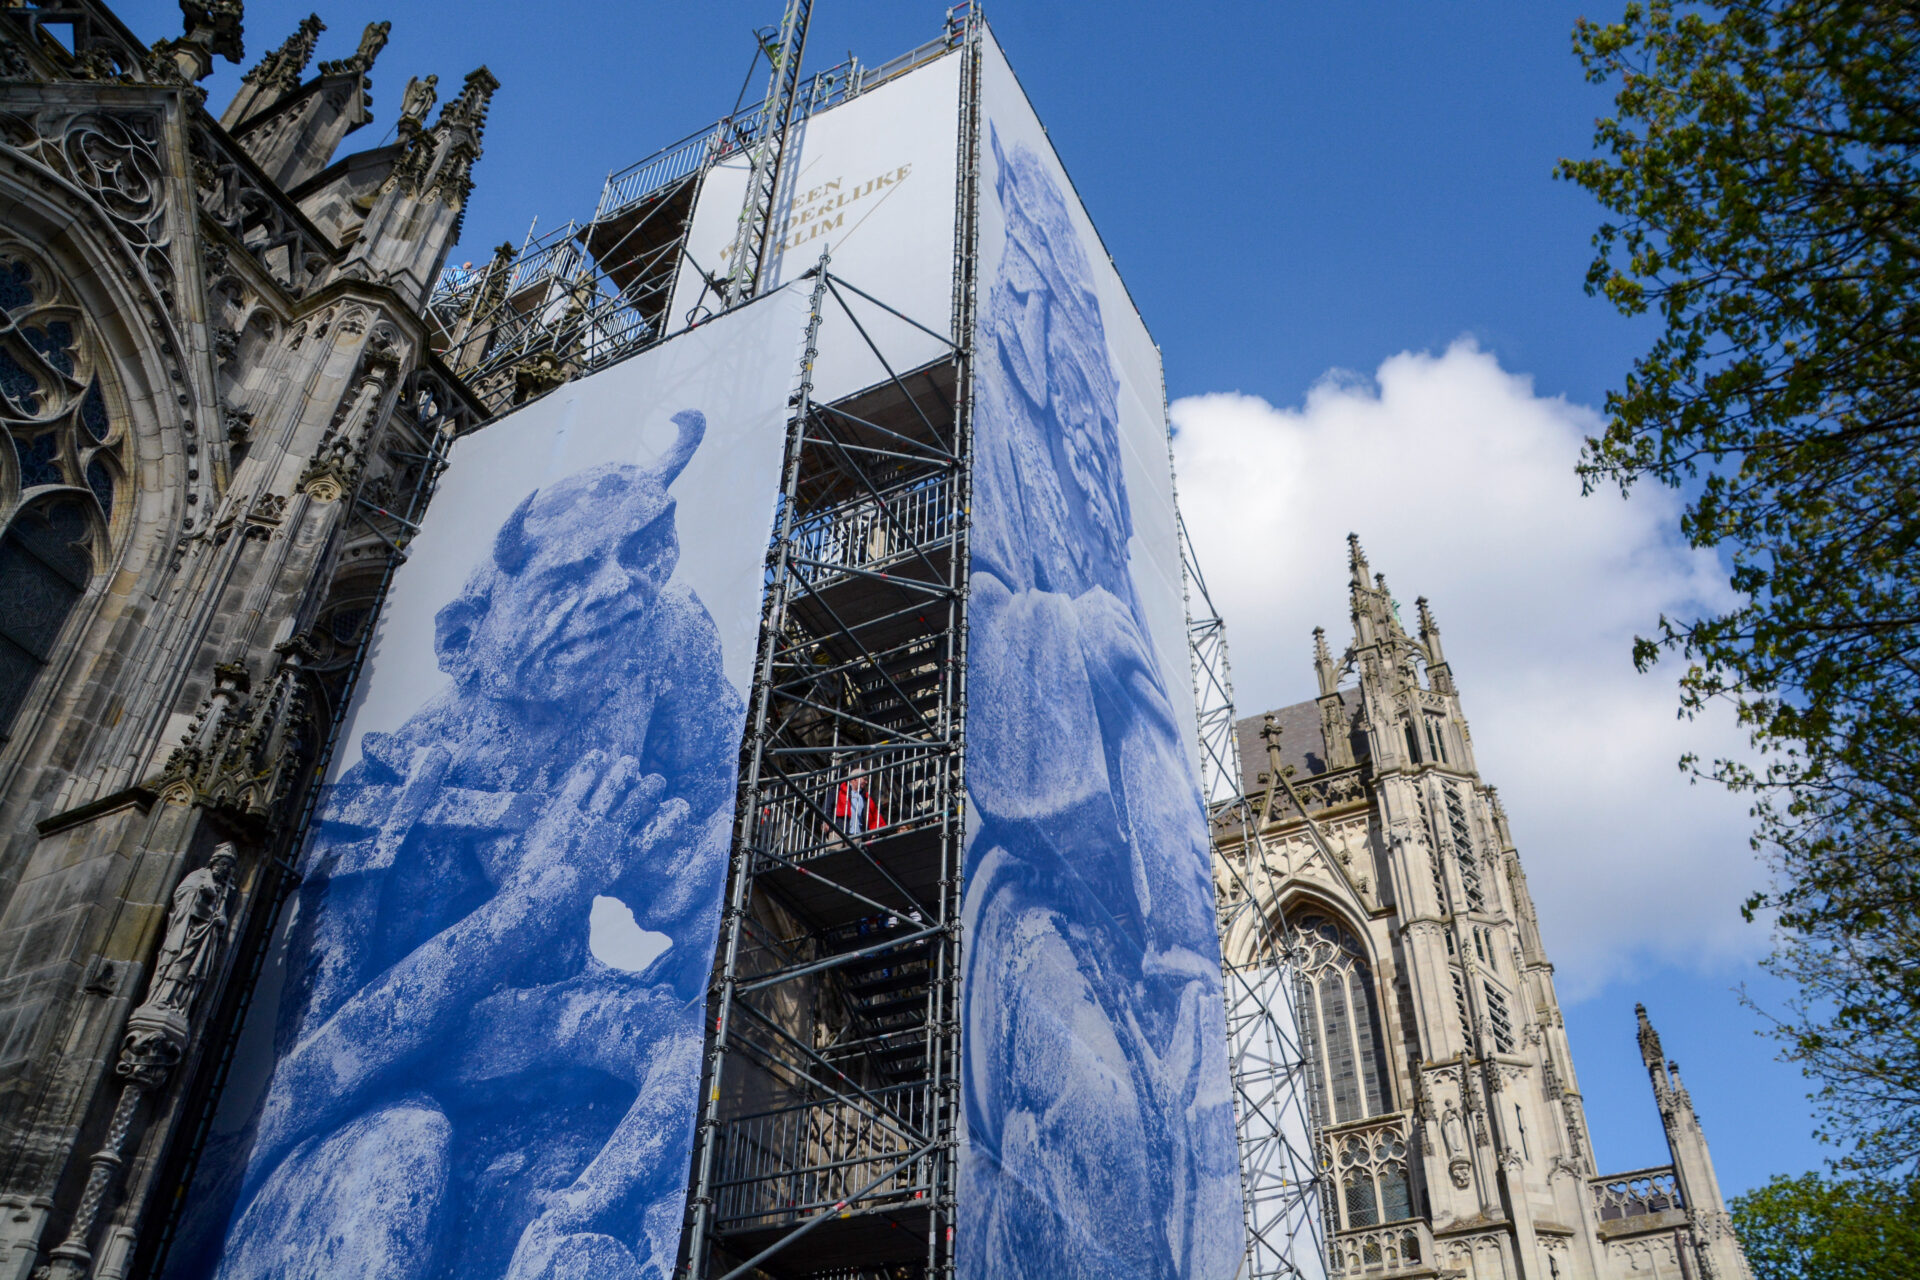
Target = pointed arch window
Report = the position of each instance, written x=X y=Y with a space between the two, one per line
x=62 y=469
x=1340 y=1016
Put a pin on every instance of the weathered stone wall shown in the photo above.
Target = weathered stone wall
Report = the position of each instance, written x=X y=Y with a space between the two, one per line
x=268 y=393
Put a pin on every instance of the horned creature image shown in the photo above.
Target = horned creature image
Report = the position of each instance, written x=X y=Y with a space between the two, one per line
x=461 y=1087
x=1099 y=1122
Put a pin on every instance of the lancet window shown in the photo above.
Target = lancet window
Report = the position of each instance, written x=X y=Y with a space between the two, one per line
x=1341 y=1013
x=1463 y=845
x=61 y=475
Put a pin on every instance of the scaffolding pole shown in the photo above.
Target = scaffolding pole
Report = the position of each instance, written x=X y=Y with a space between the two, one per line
x=768 y=156
x=1281 y=1179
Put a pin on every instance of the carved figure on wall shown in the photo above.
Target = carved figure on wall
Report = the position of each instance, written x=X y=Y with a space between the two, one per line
x=1452 y=1132
x=196 y=933
x=415 y=101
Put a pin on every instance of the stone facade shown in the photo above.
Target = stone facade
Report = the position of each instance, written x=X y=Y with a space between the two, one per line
x=223 y=414
x=1445 y=1104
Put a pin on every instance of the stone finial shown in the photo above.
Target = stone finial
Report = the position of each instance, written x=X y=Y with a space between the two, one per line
x=493 y=289
x=372 y=41
x=1649 y=1040
x=468 y=109
x=1682 y=1100
x=1356 y=560
x=1430 y=638
x=1323 y=664
x=213 y=28
x=281 y=69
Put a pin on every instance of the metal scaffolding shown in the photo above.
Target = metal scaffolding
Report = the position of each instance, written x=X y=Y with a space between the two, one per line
x=1281 y=1180
x=584 y=294
x=832 y=1094
x=827 y=1145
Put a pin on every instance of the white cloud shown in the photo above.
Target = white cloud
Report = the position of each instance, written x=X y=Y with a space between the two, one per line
x=1459 y=481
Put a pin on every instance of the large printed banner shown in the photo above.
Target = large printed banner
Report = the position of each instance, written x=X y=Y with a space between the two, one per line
x=874 y=180
x=1100 y=1135
x=476 y=1051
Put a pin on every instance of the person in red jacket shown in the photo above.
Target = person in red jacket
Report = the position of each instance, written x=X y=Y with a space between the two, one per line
x=854 y=809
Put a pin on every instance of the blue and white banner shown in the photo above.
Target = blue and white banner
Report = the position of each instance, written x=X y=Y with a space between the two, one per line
x=476 y=1050
x=1100 y=1135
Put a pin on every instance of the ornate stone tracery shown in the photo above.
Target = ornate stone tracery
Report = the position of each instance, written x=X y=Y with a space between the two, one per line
x=63 y=471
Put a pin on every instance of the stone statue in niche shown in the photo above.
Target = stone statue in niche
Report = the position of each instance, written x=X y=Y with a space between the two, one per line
x=196 y=932
x=1454 y=1134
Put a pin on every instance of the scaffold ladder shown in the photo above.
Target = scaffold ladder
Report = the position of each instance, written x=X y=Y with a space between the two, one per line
x=749 y=251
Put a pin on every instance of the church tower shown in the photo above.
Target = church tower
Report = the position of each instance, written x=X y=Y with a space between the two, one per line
x=1447 y=1116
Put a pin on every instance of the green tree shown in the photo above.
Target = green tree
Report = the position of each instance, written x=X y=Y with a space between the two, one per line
x=1761 y=176
x=1813 y=1228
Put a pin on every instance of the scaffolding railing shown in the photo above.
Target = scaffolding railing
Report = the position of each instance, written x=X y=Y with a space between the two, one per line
x=785 y=1165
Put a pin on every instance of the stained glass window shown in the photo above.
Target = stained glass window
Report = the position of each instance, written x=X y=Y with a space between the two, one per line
x=1341 y=1011
x=1374 y=1183
x=61 y=471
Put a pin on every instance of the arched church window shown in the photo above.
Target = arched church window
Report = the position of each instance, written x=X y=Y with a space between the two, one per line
x=1374 y=1185
x=1341 y=1016
x=61 y=473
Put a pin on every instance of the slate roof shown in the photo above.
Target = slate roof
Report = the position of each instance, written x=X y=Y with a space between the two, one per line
x=1301 y=744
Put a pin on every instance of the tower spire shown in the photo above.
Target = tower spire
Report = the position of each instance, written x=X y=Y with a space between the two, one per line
x=1439 y=674
x=1716 y=1248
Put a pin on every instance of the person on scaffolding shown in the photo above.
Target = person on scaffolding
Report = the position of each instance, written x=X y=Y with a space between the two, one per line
x=854 y=810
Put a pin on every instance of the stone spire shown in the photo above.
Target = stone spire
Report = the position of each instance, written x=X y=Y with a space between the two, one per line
x=425 y=195
x=458 y=133
x=276 y=75
x=1335 y=730
x=1439 y=674
x=1323 y=664
x=1651 y=1055
x=283 y=68
x=292 y=129
x=1717 y=1250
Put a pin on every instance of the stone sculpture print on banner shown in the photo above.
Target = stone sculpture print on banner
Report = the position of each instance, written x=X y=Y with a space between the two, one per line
x=1099 y=1119
x=487 y=1052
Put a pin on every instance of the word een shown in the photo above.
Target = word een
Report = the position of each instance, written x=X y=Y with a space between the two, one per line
x=823 y=208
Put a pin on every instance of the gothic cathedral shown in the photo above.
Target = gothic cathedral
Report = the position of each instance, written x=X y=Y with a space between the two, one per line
x=1445 y=1113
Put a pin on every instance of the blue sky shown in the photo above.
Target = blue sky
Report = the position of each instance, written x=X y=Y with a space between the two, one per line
x=1297 y=195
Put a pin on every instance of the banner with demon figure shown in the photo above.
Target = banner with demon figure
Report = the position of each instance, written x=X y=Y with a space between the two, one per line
x=476 y=1048
x=1100 y=1135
